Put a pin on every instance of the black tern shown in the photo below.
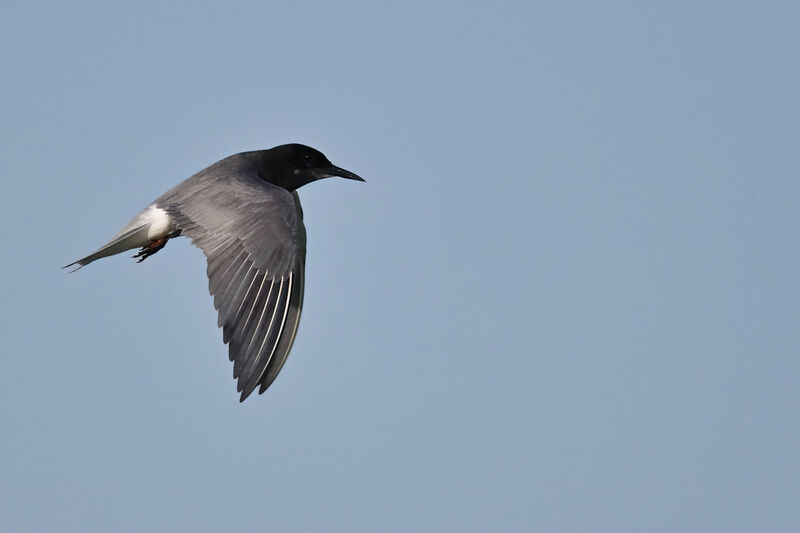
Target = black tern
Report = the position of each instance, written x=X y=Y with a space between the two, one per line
x=244 y=213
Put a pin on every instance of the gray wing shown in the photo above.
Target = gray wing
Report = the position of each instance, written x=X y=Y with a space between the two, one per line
x=253 y=237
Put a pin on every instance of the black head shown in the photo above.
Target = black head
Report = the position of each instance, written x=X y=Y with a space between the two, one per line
x=293 y=165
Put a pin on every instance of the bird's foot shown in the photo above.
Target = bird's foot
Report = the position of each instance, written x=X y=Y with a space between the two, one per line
x=150 y=248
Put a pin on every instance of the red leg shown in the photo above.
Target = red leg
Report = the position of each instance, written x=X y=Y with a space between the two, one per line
x=150 y=248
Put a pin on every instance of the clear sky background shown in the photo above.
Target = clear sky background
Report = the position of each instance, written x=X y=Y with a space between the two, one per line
x=566 y=299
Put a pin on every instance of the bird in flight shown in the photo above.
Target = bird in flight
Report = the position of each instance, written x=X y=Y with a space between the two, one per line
x=244 y=213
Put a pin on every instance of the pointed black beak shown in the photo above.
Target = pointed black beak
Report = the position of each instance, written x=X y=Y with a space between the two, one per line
x=342 y=173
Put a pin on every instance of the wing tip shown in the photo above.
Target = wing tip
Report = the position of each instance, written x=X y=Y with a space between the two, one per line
x=245 y=394
x=262 y=386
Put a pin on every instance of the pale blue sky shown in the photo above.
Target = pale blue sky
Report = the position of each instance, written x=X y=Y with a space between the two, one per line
x=566 y=299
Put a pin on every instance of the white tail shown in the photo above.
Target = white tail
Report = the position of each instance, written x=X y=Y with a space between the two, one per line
x=127 y=241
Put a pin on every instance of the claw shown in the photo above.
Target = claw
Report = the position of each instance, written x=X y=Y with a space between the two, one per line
x=151 y=248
